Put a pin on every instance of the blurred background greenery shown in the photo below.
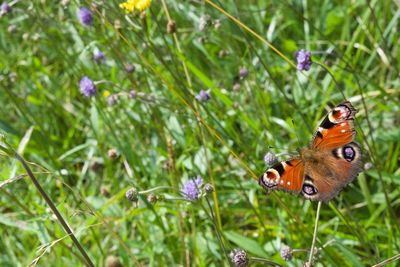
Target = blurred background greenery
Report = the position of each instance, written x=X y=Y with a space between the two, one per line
x=146 y=129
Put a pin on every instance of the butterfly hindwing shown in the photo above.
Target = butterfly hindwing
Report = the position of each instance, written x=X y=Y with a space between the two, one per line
x=325 y=179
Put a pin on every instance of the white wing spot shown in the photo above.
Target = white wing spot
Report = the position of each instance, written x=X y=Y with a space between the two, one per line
x=288 y=183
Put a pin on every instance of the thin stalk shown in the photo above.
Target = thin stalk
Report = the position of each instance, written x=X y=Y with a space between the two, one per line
x=217 y=230
x=315 y=233
x=272 y=263
x=88 y=262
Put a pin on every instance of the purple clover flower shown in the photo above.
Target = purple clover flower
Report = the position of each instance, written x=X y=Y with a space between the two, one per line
x=5 y=8
x=203 y=96
x=87 y=87
x=191 y=189
x=303 y=60
x=85 y=16
x=98 y=56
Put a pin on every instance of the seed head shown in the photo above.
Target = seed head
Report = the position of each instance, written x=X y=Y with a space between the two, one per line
x=208 y=188
x=132 y=195
x=239 y=258
x=171 y=26
x=270 y=158
x=152 y=198
x=286 y=253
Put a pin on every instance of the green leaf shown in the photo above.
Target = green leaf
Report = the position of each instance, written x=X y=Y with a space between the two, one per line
x=249 y=245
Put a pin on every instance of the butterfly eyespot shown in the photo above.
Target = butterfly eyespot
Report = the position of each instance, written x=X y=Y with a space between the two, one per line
x=270 y=178
x=309 y=190
x=349 y=153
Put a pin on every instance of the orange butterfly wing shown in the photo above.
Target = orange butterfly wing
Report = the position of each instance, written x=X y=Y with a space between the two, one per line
x=330 y=162
x=285 y=175
x=337 y=128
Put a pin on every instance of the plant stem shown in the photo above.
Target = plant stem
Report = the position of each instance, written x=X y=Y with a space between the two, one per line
x=88 y=262
x=315 y=233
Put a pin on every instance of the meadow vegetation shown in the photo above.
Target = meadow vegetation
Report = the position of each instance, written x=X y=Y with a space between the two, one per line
x=147 y=125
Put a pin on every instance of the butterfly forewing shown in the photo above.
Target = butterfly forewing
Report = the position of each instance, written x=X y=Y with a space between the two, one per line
x=337 y=128
x=285 y=175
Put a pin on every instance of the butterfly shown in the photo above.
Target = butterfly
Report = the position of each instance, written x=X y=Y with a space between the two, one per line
x=329 y=163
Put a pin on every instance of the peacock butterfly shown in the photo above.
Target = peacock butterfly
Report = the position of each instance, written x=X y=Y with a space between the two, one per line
x=328 y=164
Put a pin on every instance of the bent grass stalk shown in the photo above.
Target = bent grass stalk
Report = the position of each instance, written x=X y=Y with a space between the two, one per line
x=49 y=202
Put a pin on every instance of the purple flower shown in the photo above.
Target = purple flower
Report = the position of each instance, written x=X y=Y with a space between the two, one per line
x=12 y=28
x=236 y=87
x=5 y=8
x=239 y=258
x=85 y=16
x=303 y=60
x=286 y=253
x=112 y=100
x=191 y=189
x=270 y=158
x=87 y=87
x=203 y=96
x=130 y=68
x=243 y=72
x=98 y=56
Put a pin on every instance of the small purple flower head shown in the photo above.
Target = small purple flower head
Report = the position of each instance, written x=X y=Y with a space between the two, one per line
x=236 y=87
x=85 y=16
x=270 y=158
x=132 y=94
x=130 y=68
x=98 y=56
x=87 y=87
x=203 y=96
x=243 y=72
x=303 y=60
x=12 y=28
x=239 y=258
x=112 y=100
x=191 y=189
x=286 y=253
x=5 y=8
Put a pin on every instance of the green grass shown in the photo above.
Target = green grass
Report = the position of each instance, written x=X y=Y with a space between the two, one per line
x=164 y=136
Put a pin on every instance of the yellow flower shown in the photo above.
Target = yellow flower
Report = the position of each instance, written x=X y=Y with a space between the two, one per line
x=131 y=5
x=142 y=4
x=106 y=93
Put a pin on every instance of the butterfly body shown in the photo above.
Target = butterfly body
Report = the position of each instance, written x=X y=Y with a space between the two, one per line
x=328 y=164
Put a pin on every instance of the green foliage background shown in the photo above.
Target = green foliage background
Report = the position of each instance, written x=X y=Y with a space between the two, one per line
x=164 y=136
